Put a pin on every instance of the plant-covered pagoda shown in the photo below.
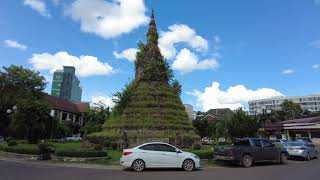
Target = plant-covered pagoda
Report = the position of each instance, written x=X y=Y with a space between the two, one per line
x=149 y=107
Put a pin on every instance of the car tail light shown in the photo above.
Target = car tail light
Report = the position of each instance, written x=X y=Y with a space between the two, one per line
x=126 y=153
x=300 y=148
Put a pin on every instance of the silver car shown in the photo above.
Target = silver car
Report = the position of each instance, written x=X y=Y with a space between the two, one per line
x=301 y=149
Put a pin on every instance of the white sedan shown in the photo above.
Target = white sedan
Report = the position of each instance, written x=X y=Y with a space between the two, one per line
x=158 y=155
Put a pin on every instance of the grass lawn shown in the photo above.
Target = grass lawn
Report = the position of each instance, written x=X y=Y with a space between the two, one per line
x=114 y=154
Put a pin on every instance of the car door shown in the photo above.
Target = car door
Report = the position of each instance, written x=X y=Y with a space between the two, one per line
x=169 y=156
x=150 y=155
x=269 y=150
x=257 y=150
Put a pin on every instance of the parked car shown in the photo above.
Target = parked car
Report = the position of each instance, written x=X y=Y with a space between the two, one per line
x=247 y=151
x=73 y=138
x=206 y=141
x=307 y=140
x=301 y=149
x=158 y=155
x=279 y=142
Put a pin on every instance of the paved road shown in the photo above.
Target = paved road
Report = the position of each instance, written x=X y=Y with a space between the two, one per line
x=299 y=170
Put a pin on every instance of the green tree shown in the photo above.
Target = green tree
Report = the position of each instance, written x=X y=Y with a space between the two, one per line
x=201 y=127
x=30 y=119
x=290 y=110
x=242 y=125
x=16 y=84
x=95 y=118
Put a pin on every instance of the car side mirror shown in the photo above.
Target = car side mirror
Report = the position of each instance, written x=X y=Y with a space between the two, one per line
x=178 y=151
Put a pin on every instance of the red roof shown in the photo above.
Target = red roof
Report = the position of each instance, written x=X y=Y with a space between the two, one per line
x=68 y=106
x=303 y=120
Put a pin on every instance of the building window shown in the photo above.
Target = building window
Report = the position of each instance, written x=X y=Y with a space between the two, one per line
x=71 y=117
x=64 y=116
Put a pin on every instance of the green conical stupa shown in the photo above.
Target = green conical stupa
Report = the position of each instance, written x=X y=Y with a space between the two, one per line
x=150 y=106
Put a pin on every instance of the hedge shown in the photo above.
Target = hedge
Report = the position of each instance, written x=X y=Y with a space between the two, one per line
x=81 y=153
x=203 y=154
x=20 y=150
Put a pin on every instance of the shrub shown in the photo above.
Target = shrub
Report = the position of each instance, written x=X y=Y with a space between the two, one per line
x=81 y=153
x=196 y=146
x=203 y=154
x=106 y=144
x=46 y=148
x=98 y=147
x=8 y=139
x=22 y=141
x=12 y=143
x=20 y=150
x=114 y=146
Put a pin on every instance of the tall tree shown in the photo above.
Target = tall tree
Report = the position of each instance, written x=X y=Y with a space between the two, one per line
x=242 y=125
x=291 y=110
x=16 y=85
x=95 y=118
x=30 y=119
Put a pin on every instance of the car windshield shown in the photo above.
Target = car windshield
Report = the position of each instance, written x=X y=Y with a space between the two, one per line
x=305 y=140
x=294 y=144
x=244 y=142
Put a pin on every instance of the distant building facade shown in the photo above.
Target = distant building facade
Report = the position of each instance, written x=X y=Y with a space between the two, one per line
x=215 y=115
x=189 y=110
x=66 y=111
x=308 y=103
x=66 y=85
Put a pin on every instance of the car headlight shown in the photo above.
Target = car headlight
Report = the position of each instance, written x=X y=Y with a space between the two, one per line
x=195 y=156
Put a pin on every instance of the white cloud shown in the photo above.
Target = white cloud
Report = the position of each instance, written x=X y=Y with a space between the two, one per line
x=56 y=2
x=180 y=33
x=288 y=71
x=39 y=6
x=316 y=66
x=186 y=62
x=108 y=19
x=316 y=43
x=85 y=65
x=102 y=100
x=129 y=54
x=234 y=97
x=15 y=44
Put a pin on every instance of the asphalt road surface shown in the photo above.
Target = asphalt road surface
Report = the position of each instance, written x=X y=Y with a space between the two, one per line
x=299 y=170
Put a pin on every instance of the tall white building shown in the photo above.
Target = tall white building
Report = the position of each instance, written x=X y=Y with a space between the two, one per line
x=189 y=110
x=308 y=103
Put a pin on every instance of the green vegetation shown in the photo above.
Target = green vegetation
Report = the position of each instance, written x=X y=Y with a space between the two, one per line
x=203 y=154
x=95 y=118
x=80 y=153
x=21 y=93
x=69 y=149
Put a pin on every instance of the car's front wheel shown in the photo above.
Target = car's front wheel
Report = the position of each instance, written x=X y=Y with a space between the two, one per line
x=138 y=165
x=247 y=161
x=188 y=165
x=308 y=157
x=283 y=158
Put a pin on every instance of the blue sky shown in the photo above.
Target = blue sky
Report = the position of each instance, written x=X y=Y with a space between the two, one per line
x=224 y=53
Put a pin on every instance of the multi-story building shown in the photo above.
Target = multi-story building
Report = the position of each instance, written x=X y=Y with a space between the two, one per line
x=66 y=85
x=308 y=103
x=189 y=110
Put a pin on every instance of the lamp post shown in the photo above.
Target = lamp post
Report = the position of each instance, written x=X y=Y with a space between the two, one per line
x=52 y=119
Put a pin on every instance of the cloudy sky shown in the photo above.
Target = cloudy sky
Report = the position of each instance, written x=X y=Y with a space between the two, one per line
x=224 y=53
